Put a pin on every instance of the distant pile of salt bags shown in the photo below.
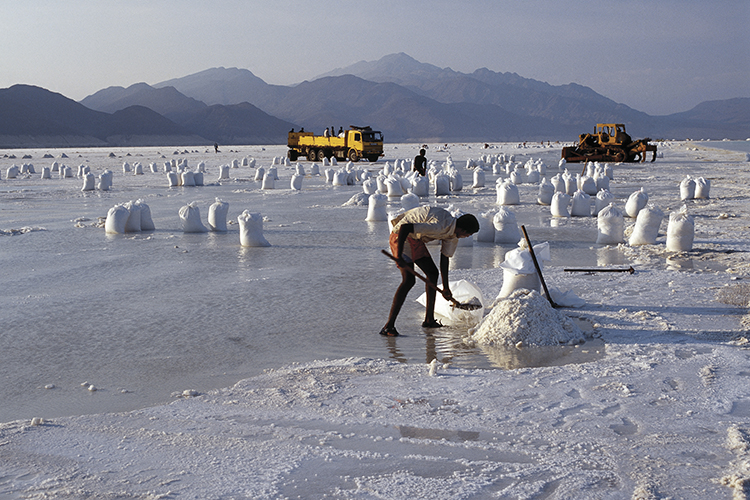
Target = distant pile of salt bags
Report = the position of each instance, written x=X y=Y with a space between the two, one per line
x=694 y=188
x=130 y=217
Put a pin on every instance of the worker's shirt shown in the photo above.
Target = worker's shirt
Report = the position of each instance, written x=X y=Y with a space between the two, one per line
x=430 y=223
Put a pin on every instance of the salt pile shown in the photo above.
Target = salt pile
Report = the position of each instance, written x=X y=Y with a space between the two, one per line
x=525 y=318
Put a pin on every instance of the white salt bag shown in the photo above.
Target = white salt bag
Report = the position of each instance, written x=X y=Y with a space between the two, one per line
x=646 y=226
x=198 y=178
x=463 y=291
x=260 y=173
x=269 y=182
x=442 y=185
x=217 y=216
x=89 y=182
x=117 y=217
x=188 y=178
x=223 y=172
x=154 y=167
x=519 y=270
x=296 y=182
x=588 y=185
x=105 y=180
x=636 y=202
x=603 y=198
x=456 y=180
x=581 y=206
x=370 y=186
x=147 y=224
x=46 y=173
x=421 y=186
x=251 y=230
x=680 y=231
x=571 y=183
x=507 y=194
x=546 y=192
x=395 y=188
x=376 y=208
x=559 y=205
x=172 y=179
x=486 y=231
x=341 y=178
x=65 y=172
x=602 y=181
x=506 y=227
x=702 y=187
x=532 y=177
x=558 y=183
x=133 y=224
x=138 y=169
x=409 y=201
x=190 y=216
x=687 y=188
x=610 y=224
x=478 y=178
x=274 y=171
x=125 y=167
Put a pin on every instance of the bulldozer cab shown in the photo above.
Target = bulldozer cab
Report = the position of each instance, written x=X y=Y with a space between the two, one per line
x=612 y=133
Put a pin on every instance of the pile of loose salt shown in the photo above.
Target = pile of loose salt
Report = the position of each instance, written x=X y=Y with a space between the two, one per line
x=525 y=318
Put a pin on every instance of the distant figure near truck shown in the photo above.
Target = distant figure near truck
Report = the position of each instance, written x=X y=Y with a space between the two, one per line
x=356 y=143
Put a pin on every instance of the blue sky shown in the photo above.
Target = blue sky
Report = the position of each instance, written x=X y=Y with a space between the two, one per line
x=656 y=56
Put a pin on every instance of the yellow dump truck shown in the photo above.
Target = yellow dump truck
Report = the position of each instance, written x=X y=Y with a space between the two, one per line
x=355 y=143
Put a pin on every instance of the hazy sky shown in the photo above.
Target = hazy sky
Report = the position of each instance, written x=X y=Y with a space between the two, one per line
x=657 y=56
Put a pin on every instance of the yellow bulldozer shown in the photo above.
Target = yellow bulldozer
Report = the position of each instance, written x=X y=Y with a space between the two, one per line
x=609 y=142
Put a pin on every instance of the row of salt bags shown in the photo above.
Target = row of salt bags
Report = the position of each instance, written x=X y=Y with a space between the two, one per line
x=27 y=168
x=603 y=198
x=251 y=230
x=559 y=205
x=610 y=224
x=191 y=219
x=217 y=216
x=636 y=202
x=680 y=231
x=376 y=208
x=486 y=231
x=581 y=206
x=506 y=227
x=646 y=226
x=409 y=201
x=507 y=193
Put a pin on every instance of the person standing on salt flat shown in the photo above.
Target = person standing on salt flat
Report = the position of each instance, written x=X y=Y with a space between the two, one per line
x=420 y=163
x=419 y=226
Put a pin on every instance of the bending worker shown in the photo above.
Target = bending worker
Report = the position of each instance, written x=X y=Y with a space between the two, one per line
x=411 y=230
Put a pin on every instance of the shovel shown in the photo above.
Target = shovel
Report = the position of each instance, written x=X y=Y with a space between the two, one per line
x=472 y=305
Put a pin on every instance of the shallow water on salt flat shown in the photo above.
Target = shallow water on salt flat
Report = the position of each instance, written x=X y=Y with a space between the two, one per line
x=145 y=315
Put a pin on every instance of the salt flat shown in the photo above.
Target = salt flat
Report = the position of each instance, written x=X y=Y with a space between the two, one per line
x=653 y=405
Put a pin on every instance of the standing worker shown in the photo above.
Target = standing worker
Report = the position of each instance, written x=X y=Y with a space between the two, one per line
x=420 y=163
x=411 y=230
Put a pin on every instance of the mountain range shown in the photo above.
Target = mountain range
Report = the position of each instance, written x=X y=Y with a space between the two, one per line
x=407 y=100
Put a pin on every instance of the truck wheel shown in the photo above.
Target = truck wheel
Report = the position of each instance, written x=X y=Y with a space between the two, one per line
x=321 y=155
x=310 y=155
x=353 y=156
x=372 y=158
x=292 y=155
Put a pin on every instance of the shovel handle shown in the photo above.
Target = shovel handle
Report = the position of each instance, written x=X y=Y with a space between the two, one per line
x=429 y=283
